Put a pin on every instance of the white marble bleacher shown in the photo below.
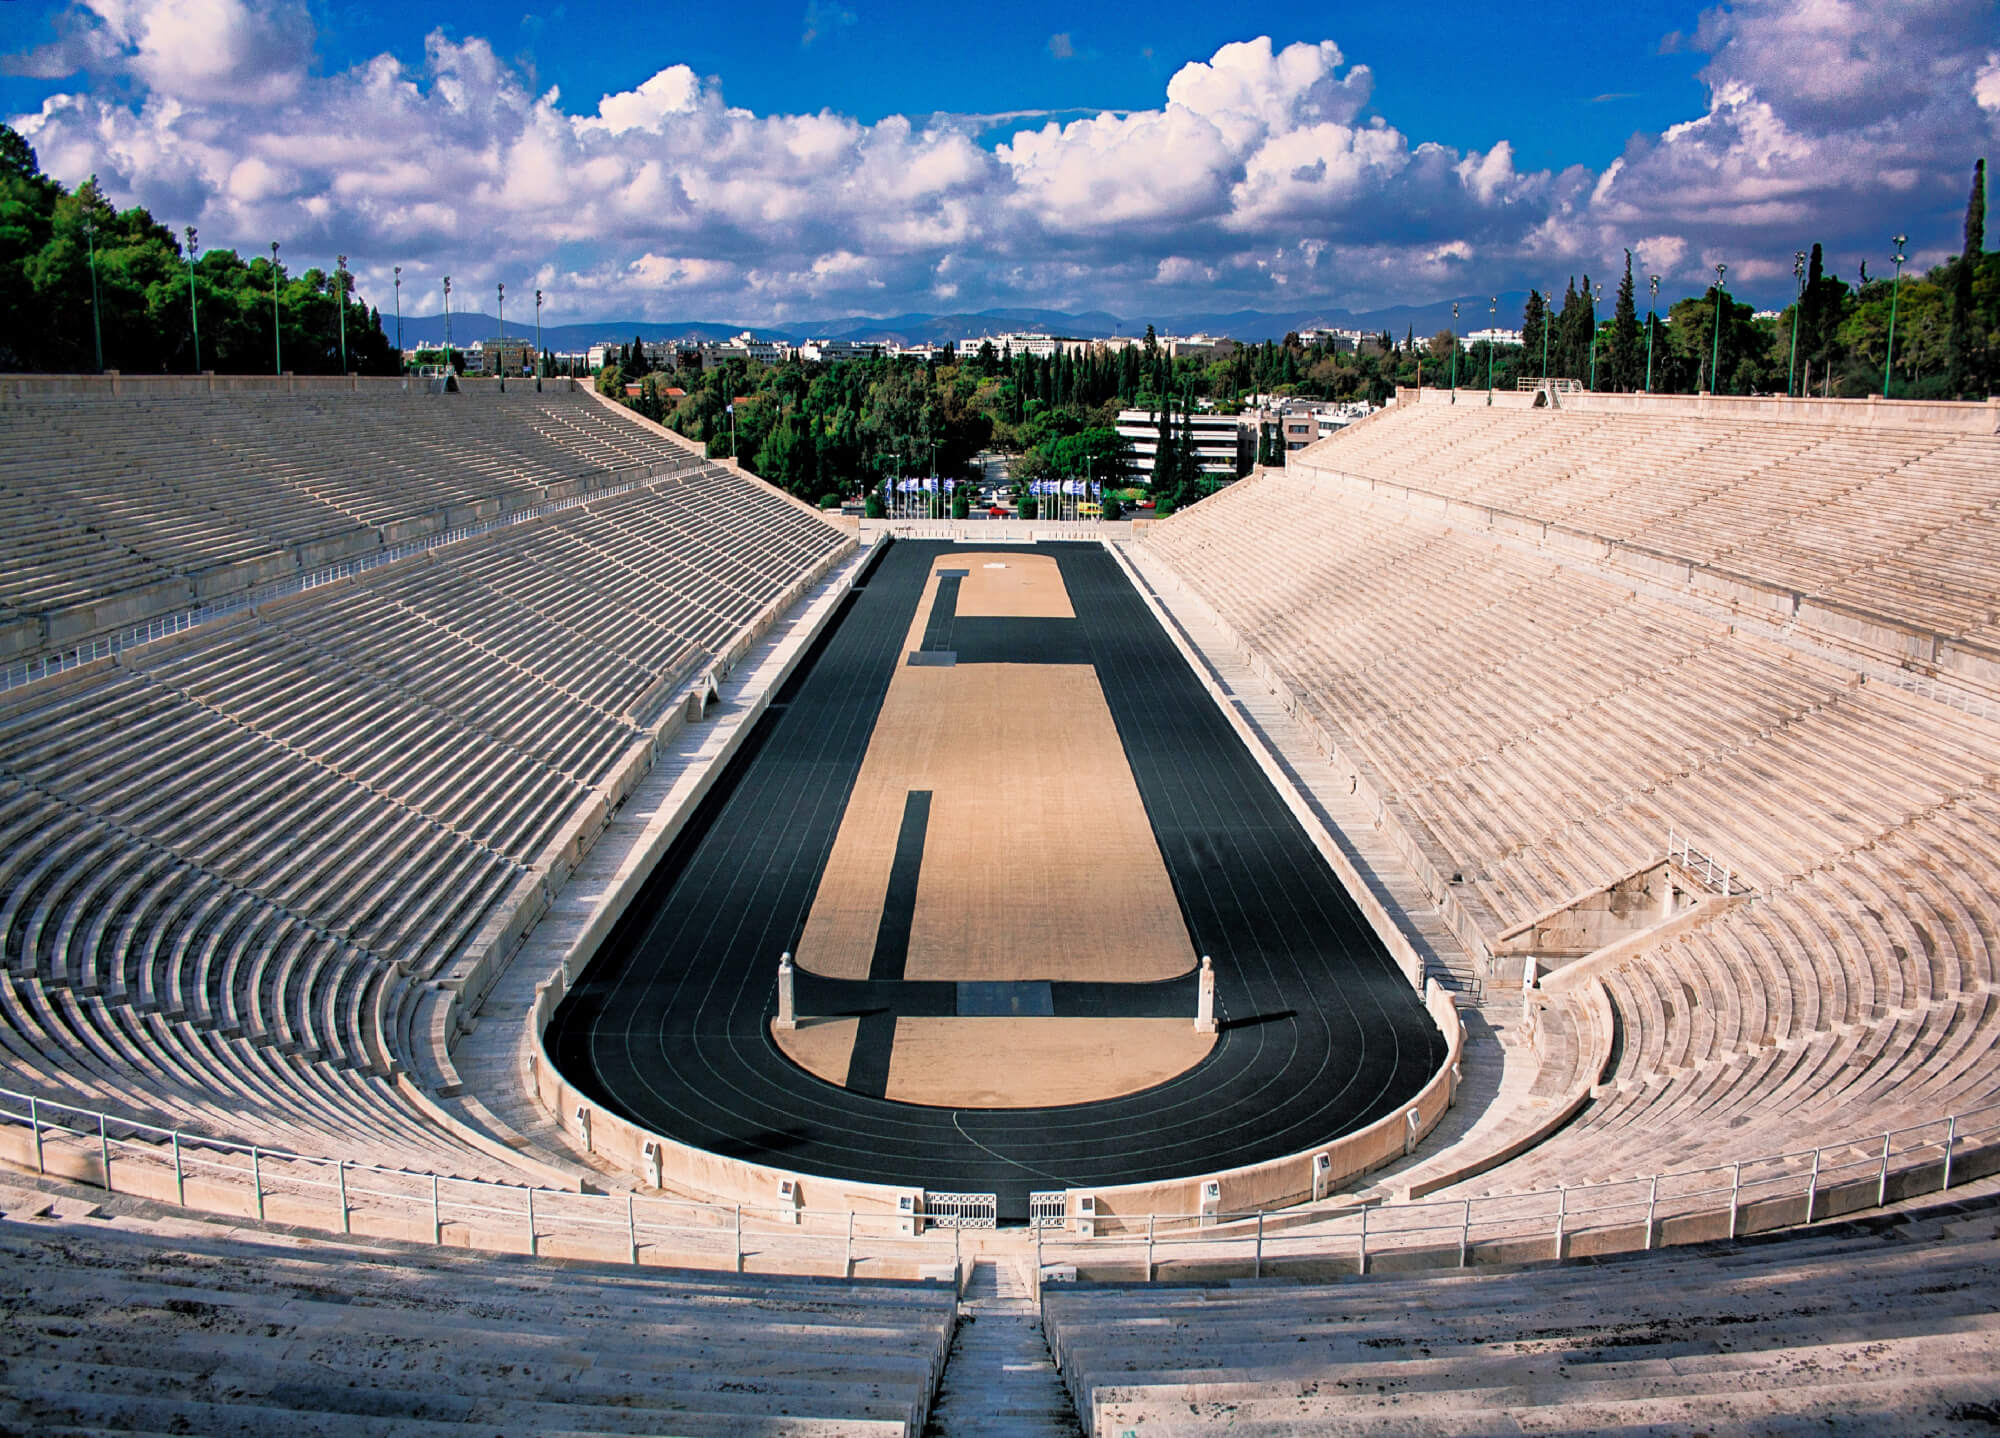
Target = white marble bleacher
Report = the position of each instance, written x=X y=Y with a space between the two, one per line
x=231 y=862
x=1898 y=523
x=117 y=1322
x=1875 y=1328
x=117 y=508
x=1543 y=727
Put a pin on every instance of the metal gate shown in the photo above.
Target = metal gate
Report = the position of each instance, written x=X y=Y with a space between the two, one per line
x=1048 y=1210
x=961 y=1210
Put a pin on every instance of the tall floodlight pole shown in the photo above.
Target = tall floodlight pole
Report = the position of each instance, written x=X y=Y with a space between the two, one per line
x=538 y=341
x=340 y=299
x=277 y=341
x=1715 y=354
x=500 y=357
x=447 y=326
x=1652 y=310
x=1548 y=323
x=1894 y=293
x=399 y=316
x=96 y=325
x=194 y=314
x=1492 y=322
x=1798 y=303
x=1454 y=351
x=1597 y=295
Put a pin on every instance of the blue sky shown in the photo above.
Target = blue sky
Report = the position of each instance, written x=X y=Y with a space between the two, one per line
x=763 y=161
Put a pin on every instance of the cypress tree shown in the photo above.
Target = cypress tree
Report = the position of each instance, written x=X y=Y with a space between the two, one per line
x=1967 y=374
x=1531 y=332
x=1625 y=360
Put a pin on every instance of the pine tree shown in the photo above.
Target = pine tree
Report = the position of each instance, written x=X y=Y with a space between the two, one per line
x=1626 y=363
x=638 y=366
x=1967 y=372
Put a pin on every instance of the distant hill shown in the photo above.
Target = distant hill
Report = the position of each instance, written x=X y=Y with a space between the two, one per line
x=1250 y=326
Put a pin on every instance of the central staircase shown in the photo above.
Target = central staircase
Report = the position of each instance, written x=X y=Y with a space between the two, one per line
x=1000 y=1378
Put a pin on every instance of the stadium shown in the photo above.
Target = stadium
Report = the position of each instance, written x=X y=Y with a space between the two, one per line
x=1495 y=916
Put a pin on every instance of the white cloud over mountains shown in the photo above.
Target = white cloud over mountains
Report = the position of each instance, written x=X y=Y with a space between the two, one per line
x=1262 y=179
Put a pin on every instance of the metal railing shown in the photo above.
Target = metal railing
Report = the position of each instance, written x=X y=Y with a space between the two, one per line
x=164 y=626
x=1049 y=1209
x=1710 y=871
x=1950 y=695
x=197 y=1171
x=1728 y=1200
x=1720 y=1201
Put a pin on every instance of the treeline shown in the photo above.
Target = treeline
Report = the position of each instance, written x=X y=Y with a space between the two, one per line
x=1833 y=339
x=140 y=302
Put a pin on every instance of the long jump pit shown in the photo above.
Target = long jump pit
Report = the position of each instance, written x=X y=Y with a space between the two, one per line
x=995 y=843
x=996 y=821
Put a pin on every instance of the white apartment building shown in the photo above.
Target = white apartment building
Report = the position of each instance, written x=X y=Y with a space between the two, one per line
x=1224 y=444
x=830 y=350
x=1498 y=337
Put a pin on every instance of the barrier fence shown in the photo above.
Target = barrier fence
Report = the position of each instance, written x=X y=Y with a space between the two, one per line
x=271 y=1185
x=1721 y=1201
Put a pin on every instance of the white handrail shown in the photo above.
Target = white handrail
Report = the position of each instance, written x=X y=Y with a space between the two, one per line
x=101 y=1148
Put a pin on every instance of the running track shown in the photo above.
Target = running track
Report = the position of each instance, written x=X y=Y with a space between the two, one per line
x=668 y=1026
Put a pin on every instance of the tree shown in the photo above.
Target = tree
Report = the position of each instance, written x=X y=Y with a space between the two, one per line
x=636 y=366
x=1534 y=316
x=1967 y=376
x=1626 y=363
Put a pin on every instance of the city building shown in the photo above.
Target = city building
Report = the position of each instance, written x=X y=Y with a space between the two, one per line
x=1225 y=445
x=1498 y=337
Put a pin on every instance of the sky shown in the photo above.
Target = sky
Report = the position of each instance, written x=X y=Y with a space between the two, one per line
x=766 y=162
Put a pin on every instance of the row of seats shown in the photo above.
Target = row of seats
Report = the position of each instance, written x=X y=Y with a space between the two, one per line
x=1844 y=1331
x=1885 y=520
x=1543 y=727
x=112 y=1327
x=232 y=863
x=164 y=502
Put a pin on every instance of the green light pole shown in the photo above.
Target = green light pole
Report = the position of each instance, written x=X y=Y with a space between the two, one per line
x=1492 y=323
x=96 y=325
x=1597 y=295
x=1894 y=293
x=500 y=356
x=1798 y=303
x=194 y=314
x=1454 y=351
x=447 y=326
x=399 y=319
x=1548 y=323
x=538 y=341
x=277 y=343
x=340 y=299
x=1715 y=356
x=1652 y=309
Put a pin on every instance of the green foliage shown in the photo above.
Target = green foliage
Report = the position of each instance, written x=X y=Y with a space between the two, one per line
x=142 y=293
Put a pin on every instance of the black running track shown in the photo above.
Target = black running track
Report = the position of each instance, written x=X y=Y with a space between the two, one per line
x=669 y=1024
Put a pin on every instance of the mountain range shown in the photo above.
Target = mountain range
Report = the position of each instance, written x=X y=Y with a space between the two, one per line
x=1250 y=326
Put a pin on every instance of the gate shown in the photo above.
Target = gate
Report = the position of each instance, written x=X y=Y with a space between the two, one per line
x=961 y=1210
x=1048 y=1210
